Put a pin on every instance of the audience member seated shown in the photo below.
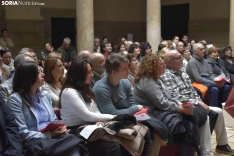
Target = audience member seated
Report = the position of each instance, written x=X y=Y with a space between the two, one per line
x=5 y=41
x=121 y=48
x=33 y=111
x=216 y=65
x=180 y=87
x=106 y=49
x=127 y=44
x=163 y=51
x=122 y=40
x=152 y=93
x=7 y=60
x=135 y=50
x=170 y=44
x=114 y=89
x=4 y=75
x=97 y=63
x=54 y=78
x=165 y=43
x=133 y=66
x=83 y=55
x=104 y=39
x=228 y=60
x=186 y=56
x=6 y=87
x=97 y=44
x=145 y=50
x=78 y=107
x=67 y=52
x=160 y=47
x=175 y=39
x=179 y=46
x=192 y=42
x=10 y=141
x=198 y=71
x=48 y=48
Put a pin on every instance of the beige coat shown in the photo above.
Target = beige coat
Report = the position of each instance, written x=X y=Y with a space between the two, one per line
x=131 y=138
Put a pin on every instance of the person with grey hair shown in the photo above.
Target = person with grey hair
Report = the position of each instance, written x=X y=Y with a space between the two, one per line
x=181 y=89
x=67 y=52
x=114 y=89
x=6 y=87
x=199 y=71
x=83 y=55
x=165 y=43
x=179 y=46
x=97 y=62
x=96 y=44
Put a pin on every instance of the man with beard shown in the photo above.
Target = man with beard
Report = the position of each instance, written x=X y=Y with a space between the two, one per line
x=97 y=62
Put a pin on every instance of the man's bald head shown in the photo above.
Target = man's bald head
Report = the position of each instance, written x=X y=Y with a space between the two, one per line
x=84 y=55
x=97 y=62
x=173 y=60
x=169 y=55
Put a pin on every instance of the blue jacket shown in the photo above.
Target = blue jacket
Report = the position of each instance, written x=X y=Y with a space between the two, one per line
x=25 y=115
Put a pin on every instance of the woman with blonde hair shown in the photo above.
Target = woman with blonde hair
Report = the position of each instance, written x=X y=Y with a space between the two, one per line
x=163 y=51
x=153 y=94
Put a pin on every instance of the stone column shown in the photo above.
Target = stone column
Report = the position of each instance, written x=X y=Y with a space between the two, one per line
x=153 y=23
x=231 y=29
x=84 y=25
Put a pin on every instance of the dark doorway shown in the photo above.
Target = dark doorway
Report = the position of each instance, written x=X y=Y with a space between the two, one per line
x=61 y=28
x=174 y=20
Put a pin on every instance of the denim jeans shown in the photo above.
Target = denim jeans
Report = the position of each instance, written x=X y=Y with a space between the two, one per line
x=217 y=95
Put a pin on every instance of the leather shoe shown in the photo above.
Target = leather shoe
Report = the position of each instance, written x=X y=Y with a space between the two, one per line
x=225 y=149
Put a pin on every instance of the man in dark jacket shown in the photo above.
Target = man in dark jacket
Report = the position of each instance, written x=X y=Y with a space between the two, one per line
x=10 y=142
x=67 y=51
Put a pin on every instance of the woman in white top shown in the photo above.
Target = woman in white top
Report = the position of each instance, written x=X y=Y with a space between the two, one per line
x=78 y=106
x=186 y=55
x=54 y=72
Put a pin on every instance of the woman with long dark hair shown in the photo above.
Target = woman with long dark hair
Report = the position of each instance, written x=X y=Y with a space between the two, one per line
x=33 y=111
x=135 y=50
x=78 y=106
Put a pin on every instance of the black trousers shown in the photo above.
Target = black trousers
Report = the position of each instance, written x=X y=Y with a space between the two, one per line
x=104 y=148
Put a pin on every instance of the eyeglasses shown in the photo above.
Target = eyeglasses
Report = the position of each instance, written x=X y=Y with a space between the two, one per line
x=177 y=58
x=202 y=49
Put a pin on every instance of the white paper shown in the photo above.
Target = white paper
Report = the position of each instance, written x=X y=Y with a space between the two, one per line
x=88 y=130
x=221 y=76
x=141 y=117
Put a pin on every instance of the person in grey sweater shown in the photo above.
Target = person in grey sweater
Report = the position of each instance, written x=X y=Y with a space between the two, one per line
x=152 y=93
x=199 y=71
x=115 y=87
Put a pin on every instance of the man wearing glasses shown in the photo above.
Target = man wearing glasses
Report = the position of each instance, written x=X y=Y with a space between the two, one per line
x=180 y=87
x=198 y=71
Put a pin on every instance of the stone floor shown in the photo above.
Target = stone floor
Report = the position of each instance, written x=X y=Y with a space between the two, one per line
x=230 y=133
